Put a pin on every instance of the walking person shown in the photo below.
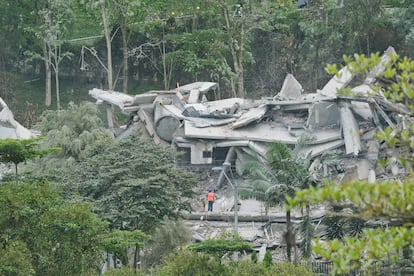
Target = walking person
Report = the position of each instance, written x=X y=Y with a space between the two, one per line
x=210 y=199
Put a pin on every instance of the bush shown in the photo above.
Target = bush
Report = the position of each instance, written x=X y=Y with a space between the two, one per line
x=186 y=262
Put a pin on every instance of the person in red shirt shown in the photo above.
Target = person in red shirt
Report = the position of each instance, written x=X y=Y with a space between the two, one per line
x=210 y=199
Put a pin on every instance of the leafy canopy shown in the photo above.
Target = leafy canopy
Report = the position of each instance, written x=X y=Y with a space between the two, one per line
x=133 y=183
x=43 y=234
x=17 y=151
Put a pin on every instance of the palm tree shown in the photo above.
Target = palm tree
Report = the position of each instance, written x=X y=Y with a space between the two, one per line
x=277 y=177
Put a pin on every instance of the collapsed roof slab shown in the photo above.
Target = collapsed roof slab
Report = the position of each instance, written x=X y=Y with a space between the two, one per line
x=145 y=98
x=201 y=86
x=116 y=98
x=315 y=150
x=263 y=132
x=222 y=104
x=250 y=116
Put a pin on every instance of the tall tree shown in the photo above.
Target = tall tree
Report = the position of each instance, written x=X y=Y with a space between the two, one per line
x=17 y=151
x=52 y=18
x=55 y=237
x=276 y=178
x=134 y=183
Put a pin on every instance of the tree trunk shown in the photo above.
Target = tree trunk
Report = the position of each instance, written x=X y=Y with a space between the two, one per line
x=125 y=58
x=57 y=87
x=136 y=257
x=107 y=31
x=164 y=65
x=17 y=175
x=236 y=54
x=57 y=57
x=288 y=237
x=48 y=74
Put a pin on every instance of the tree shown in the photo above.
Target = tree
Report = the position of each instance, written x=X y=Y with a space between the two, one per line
x=45 y=234
x=253 y=257
x=221 y=246
x=165 y=239
x=17 y=151
x=186 y=262
x=73 y=130
x=15 y=259
x=119 y=242
x=284 y=172
x=53 y=17
x=275 y=47
x=387 y=201
x=133 y=183
x=268 y=259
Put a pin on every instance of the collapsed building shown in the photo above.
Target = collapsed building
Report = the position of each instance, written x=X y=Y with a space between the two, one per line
x=340 y=129
x=10 y=128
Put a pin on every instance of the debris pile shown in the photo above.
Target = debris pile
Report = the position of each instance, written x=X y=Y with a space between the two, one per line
x=10 y=128
x=340 y=129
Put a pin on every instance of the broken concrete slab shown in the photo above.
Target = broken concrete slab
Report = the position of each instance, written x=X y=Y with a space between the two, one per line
x=337 y=124
x=339 y=81
x=291 y=89
x=350 y=130
x=254 y=114
x=264 y=132
x=112 y=97
x=379 y=69
x=322 y=114
x=10 y=128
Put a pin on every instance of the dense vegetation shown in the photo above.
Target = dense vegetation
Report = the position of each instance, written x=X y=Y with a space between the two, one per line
x=99 y=195
x=66 y=47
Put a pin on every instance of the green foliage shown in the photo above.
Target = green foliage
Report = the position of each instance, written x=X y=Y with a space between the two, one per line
x=186 y=262
x=124 y=271
x=166 y=238
x=45 y=234
x=290 y=269
x=15 y=259
x=253 y=257
x=133 y=183
x=17 y=151
x=385 y=200
x=219 y=247
x=307 y=232
x=247 y=268
x=72 y=129
x=268 y=259
x=391 y=200
x=119 y=241
x=284 y=172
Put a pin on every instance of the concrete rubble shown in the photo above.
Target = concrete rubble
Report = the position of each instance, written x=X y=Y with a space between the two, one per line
x=10 y=128
x=340 y=128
